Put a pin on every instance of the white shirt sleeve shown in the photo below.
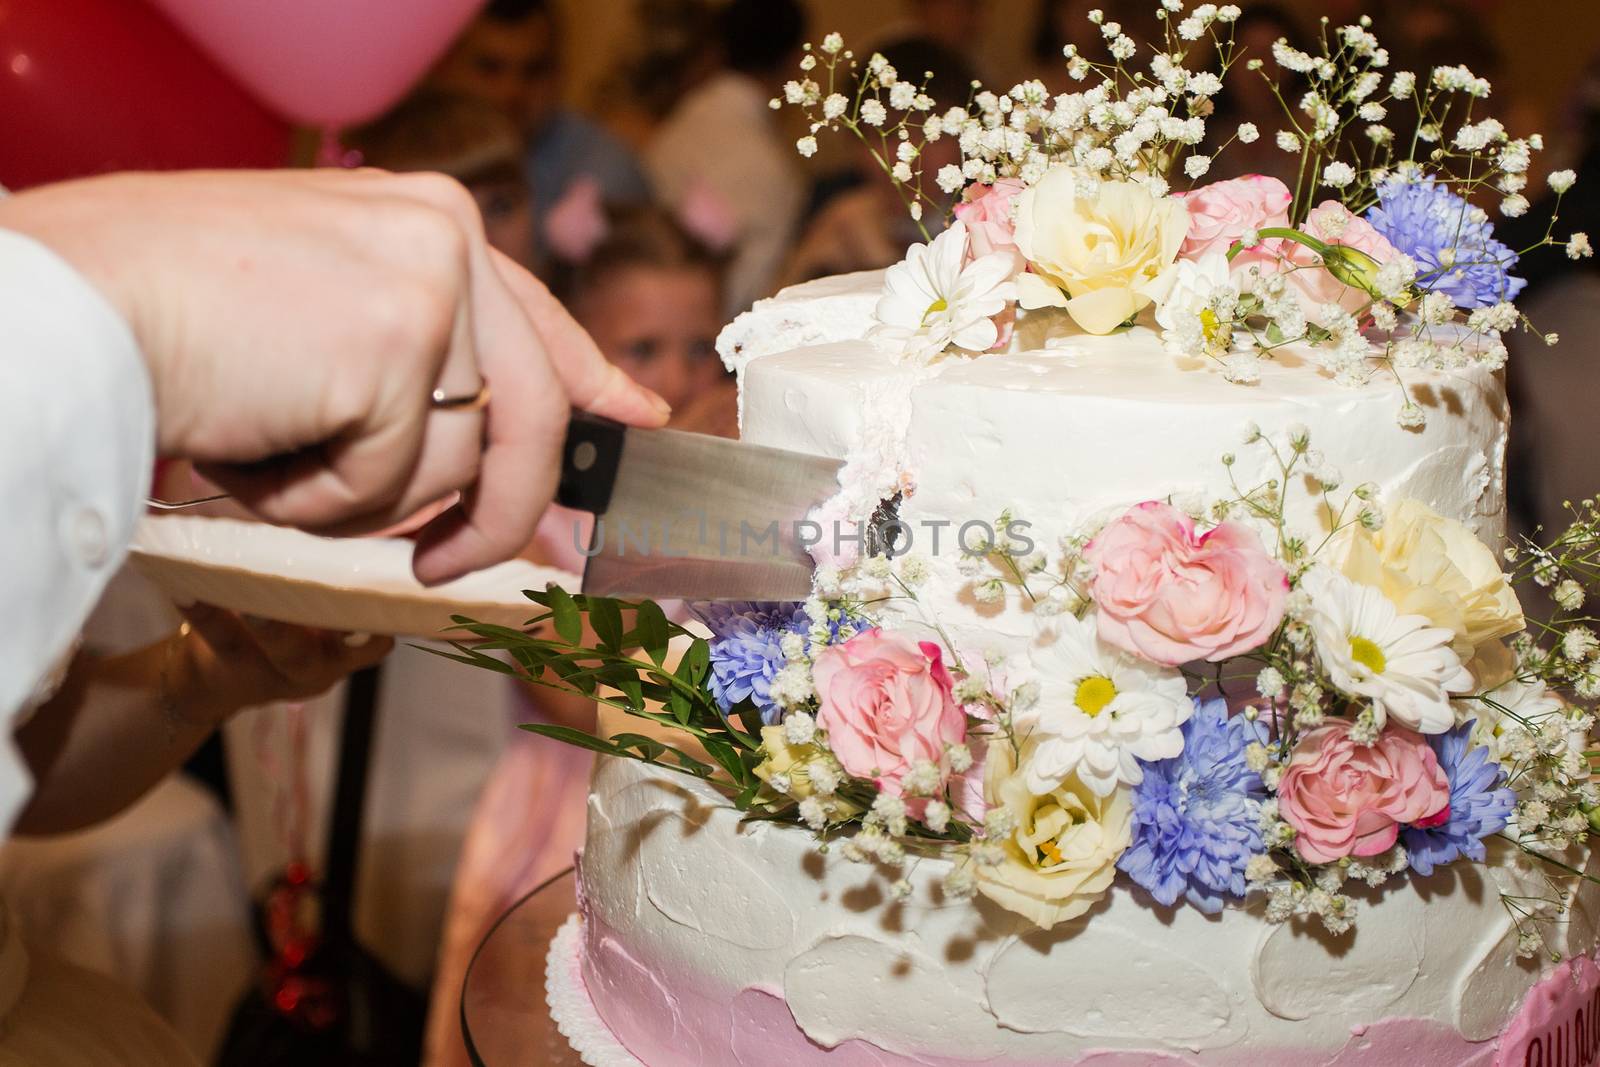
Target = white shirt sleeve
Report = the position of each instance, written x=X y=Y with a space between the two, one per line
x=77 y=442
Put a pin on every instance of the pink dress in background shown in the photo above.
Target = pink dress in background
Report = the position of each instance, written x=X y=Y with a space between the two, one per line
x=526 y=828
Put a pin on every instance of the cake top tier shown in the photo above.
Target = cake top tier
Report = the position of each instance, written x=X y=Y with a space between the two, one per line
x=1046 y=353
x=1064 y=424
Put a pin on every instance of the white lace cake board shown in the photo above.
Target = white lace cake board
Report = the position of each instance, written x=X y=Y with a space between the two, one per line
x=362 y=584
x=570 y=1007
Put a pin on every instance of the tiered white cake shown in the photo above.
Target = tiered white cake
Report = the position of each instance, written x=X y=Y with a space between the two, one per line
x=707 y=941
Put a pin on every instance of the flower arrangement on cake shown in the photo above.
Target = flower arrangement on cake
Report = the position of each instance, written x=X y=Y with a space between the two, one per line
x=1215 y=705
x=1379 y=259
x=1212 y=707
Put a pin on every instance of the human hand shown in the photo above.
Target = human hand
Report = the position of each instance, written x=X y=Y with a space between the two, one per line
x=296 y=325
x=231 y=661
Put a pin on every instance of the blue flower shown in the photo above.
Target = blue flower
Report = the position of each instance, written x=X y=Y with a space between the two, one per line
x=1479 y=804
x=1451 y=240
x=747 y=651
x=1196 y=816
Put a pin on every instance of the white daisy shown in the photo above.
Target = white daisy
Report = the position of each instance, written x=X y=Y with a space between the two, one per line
x=1402 y=663
x=1196 y=317
x=1100 y=711
x=933 y=298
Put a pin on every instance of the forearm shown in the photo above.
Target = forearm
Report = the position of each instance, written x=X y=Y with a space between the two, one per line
x=116 y=728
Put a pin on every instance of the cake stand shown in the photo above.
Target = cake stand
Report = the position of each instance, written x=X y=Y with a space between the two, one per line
x=505 y=1018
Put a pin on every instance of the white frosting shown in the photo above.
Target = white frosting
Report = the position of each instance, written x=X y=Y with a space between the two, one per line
x=828 y=309
x=1363 y=978
x=1195 y=1006
x=969 y=982
x=1057 y=433
x=847 y=984
x=728 y=900
x=1061 y=434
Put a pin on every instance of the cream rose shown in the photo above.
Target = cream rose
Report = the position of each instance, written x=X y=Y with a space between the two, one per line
x=1429 y=565
x=1062 y=856
x=1103 y=258
x=785 y=760
x=795 y=763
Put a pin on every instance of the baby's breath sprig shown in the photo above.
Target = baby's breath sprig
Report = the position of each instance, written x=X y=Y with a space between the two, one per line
x=890 y=114
x=1128 y=123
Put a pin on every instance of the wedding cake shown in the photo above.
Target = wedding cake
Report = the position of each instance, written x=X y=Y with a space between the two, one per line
x=708 y=940
x=1164 y=697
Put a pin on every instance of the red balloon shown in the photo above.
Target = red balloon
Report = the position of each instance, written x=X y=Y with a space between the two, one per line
x=88 y=86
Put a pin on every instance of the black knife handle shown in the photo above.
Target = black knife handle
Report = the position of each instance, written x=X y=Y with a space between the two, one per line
x=589 y=462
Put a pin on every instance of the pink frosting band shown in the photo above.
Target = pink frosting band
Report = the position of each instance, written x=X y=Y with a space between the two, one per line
x=1559 y=1023
x=681 y=1020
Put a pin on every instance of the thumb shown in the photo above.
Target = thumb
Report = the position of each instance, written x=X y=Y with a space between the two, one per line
x=593 y=384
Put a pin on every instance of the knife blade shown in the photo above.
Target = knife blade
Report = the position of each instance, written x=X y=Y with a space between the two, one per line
x=689 y=516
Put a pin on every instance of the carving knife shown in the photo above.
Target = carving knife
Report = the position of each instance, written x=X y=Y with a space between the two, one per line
x=689 y=516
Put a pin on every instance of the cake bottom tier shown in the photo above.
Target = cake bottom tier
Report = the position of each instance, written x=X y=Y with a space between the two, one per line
x=706 y=941
x=697 y=1027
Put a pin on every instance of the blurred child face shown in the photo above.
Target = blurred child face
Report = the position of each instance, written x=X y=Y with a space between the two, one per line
x=512 y=65
x=658 y=325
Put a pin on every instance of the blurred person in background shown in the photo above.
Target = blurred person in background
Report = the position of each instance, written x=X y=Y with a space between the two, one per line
x=510 y=56
x=1574 y=146
x=471 y=141
x=96 y=728
x=1059 y=23
x=665 y=57
x=1552 y=458
x=1424 y=34
x=649 y=292
x=723 y=143
x=867 y=226
x=957 y=26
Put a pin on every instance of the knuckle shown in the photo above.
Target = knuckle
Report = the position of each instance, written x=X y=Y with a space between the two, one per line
x=409 y=313
x=446 y=194
x=427 y=234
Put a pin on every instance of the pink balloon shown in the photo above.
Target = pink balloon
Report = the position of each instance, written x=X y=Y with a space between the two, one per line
x=323 y=62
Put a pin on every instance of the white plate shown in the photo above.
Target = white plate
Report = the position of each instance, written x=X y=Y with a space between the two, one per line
x=359 y=584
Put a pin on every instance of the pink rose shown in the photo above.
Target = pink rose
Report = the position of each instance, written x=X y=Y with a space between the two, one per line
x=1347 y=799
x=1333 y=223
x=1220 y=213
x=986 y=209
x=1172 y=597
x=885 y=701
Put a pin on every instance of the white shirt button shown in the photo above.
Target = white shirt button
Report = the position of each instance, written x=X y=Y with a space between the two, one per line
x=89 y=535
